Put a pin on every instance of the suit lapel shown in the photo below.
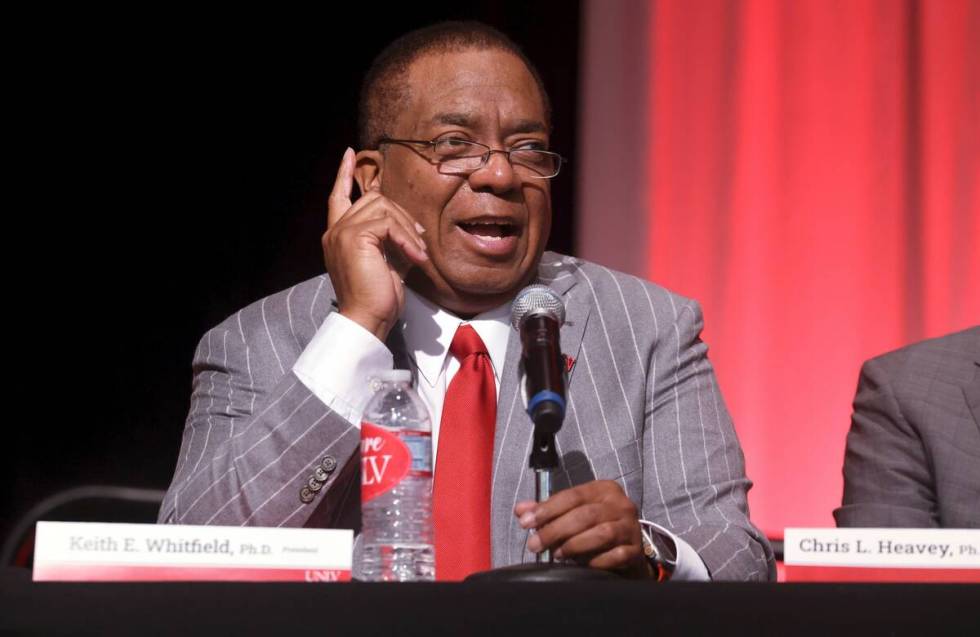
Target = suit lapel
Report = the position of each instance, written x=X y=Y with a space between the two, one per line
x=512 y=480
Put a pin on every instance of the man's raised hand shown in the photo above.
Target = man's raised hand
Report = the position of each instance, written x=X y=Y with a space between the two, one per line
x=367 y=248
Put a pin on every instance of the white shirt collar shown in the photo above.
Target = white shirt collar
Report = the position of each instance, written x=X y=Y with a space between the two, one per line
x=429 y=330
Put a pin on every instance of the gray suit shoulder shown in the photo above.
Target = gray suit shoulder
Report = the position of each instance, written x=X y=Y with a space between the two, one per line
x=263 y=339
x=613 y=290
x=295 y=303
x=554 y=262
x=950 y=357
x=602 y=276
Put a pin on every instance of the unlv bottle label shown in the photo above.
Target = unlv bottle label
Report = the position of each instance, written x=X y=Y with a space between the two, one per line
x=385 y=460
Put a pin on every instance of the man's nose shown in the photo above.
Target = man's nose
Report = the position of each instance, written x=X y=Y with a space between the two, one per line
x=497 y=174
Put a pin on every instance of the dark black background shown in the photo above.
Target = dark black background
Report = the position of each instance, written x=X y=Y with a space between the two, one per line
x=169 y=169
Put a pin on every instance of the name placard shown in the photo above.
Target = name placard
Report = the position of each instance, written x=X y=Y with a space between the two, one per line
x=882 y=555
x=96 y=551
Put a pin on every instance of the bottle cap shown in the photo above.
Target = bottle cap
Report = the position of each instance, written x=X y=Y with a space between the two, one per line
x=395 y=376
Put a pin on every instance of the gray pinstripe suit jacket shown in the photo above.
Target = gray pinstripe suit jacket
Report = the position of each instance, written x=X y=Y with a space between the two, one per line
x=643 y=409
x=913 y=451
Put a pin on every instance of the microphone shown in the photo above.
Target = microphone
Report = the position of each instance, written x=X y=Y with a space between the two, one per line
x=538 y=314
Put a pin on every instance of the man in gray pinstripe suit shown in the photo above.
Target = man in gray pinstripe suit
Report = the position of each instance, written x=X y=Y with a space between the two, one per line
x=272 y=434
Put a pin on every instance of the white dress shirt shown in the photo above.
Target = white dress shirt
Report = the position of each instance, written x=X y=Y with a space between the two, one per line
x=342 y=358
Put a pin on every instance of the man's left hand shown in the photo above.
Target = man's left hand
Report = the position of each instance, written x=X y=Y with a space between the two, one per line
x=594 y=524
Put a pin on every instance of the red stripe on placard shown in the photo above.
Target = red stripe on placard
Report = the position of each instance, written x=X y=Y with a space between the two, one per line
x=798 y=573
x=120 y=573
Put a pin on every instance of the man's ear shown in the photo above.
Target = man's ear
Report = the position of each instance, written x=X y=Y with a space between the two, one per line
x=369 y=169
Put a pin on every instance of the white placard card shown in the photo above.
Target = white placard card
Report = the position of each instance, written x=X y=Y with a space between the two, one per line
x=96 y=551
x=884 y=555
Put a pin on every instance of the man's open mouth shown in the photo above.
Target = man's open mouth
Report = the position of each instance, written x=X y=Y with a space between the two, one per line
x=490 y=230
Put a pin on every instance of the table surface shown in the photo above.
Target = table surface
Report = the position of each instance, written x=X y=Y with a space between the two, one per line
x=607 y=608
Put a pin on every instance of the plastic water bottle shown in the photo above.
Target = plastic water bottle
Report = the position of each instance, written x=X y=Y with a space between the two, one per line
x=396 y=484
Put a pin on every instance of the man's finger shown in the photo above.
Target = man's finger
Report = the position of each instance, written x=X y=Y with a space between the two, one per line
x=536 y=515
x=593 y=540
x=620 y=558
x=559 y=530
x=387 y=232
x=338 y=203
x=524 y=506
x=374 y=205
x=412 y=227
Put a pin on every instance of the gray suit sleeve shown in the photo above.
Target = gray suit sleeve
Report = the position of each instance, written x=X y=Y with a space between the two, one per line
x=696 y=483
x=253 y=439
x=887 y=478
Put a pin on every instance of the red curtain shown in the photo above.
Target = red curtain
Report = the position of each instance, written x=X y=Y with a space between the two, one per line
x=810 y=172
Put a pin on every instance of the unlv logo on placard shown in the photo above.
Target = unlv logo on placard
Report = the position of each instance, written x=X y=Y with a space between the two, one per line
x=385 y=460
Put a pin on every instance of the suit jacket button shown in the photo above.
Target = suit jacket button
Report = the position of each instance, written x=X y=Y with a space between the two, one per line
x=314 y=485
x=329 y=463
x=320 y=474
x=306 y=495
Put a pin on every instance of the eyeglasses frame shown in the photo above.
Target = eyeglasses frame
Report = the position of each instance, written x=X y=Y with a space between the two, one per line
x=560 y=160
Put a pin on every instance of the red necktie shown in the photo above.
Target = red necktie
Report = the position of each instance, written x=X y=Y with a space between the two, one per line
x=461 y=489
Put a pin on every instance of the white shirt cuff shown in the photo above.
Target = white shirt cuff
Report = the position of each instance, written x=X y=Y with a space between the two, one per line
x=338 y=364
x=690 y=567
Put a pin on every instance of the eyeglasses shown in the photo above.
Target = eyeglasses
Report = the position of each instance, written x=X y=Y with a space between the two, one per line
x=461 y=156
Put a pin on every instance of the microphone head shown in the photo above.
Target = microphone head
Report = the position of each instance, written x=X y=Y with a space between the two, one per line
x=536 y=299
